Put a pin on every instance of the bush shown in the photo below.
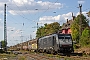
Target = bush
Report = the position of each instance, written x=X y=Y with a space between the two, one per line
x=1 y=51
x=85 y=38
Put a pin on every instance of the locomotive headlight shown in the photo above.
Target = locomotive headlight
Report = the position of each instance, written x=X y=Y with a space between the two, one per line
x=44 y=48
x=69 y=40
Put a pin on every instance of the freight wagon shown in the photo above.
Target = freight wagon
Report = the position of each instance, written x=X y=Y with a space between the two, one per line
x=32 y=45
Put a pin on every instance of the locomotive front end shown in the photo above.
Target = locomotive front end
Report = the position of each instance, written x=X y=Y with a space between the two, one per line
x=65 y=43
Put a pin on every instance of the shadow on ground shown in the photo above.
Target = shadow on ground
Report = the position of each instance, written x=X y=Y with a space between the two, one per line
x=71 y=54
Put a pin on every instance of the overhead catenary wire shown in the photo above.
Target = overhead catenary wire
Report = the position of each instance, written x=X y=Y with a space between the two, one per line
x=44 y=11
x=86 y=9
x=22 y=14
x=14 y=19
x=26 y=8
x=22 y=22
x=19 y=14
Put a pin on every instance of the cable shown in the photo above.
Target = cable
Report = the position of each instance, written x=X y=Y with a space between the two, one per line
x=19 y=14
x=86 y=9
x=46 y=10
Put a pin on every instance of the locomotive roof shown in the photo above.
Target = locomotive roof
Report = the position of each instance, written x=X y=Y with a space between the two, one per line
x=54 y=35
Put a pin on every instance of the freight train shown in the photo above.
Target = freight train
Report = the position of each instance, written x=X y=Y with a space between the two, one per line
x=54 y=43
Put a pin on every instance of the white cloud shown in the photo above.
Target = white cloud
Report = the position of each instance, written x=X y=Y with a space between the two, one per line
x=29 y=6
x=24 y=12
x=50 y=18
x=0 y=20
x=13 y=35
x=59 y=18
x=1 y=11
x=81 y=1
x=67 y=16
x=10 y=28
x=17 y=33
x=20 y=2
x=13 y=32
x=46 y=18
x=84 y=13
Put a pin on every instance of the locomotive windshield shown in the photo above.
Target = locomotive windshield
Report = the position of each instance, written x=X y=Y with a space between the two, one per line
x=65 y=38
x=60 y=37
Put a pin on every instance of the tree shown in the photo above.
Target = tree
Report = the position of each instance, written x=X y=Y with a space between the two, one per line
x=3 y=44
x=85 y=38
x=76 y=25
x=48 y=29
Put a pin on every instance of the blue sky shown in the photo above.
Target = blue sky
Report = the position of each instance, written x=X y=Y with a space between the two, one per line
x=23 y=16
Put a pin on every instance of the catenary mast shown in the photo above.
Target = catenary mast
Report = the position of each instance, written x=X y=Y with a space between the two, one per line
x=5 y=29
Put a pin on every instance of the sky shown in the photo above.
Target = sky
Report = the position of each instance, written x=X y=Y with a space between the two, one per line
x=22 y=16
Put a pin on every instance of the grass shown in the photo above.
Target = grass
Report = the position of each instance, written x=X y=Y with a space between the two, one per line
x=4 y=55
x=22 y=58
x=58 y=57
x=7 y=56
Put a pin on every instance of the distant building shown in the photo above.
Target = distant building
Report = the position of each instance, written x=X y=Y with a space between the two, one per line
x=66 y=27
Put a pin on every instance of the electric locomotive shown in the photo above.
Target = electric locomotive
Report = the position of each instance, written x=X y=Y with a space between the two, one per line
x=55 y=43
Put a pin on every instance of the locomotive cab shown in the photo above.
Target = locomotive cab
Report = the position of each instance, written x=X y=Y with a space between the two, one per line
x=65 y=43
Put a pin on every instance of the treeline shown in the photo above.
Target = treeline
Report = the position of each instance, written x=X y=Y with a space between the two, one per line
x=48 y=29
x=83 y=39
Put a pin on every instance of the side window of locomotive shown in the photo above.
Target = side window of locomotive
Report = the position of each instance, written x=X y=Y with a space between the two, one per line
x=54 y=40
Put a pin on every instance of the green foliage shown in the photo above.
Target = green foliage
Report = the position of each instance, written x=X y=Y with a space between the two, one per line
x=75 y=33
x=76 y=25
x=85 y=38
x=3 y=44
x=1 y=51
x=48 y=29
x=74 y=46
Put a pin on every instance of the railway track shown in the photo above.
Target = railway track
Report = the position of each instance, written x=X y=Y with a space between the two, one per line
x=43 y=56
x=40 y=56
